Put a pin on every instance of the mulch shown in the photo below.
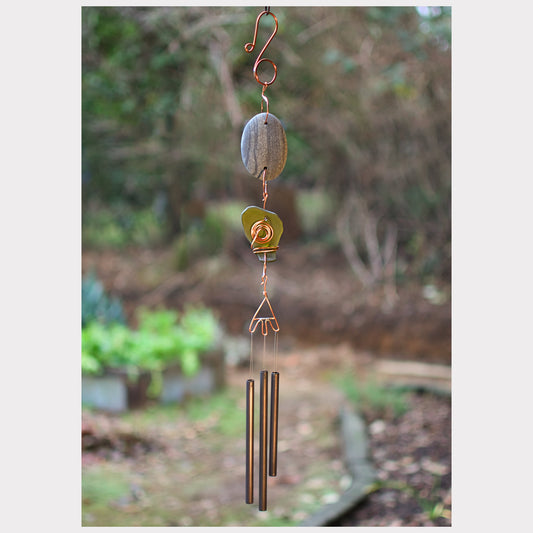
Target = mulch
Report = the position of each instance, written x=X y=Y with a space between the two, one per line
x=412 y=457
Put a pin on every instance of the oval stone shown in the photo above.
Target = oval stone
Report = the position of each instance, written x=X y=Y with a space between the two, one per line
x=264 y=145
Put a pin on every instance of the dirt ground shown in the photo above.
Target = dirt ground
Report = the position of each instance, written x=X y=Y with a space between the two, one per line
x=179 y=471
x=314 y=294
x=188 y=473
x=191 y=472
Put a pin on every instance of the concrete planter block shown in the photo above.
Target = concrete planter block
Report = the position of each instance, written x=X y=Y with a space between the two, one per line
x=176 y=386
x=211 y=377
x=115 y=391
x=104 y=392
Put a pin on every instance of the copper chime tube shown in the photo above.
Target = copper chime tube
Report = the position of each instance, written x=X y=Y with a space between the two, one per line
x=263 y=434
x=274 y=402
x=250 y=441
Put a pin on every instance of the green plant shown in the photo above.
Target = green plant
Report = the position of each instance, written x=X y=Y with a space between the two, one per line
x=374 y=397
x=316 y=210
x=161 y=339
x=97 y=305
x=108 y=346
x=99 y=487
x=222 y=407
x=118 y=226
x=203 y=238
x=431 y=505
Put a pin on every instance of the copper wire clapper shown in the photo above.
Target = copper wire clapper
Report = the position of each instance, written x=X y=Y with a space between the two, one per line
x=265 y=321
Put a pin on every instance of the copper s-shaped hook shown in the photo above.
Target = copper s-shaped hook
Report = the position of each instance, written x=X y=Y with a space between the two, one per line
x=249 y=47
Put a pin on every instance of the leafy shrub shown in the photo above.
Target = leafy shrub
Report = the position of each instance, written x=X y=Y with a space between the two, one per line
x=97 y=305
x=316 y=209
x=202 y=239
x=372 y=397
x=161 y=339
x=119 y=226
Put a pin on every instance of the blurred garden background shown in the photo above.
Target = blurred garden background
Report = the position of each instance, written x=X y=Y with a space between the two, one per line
x=361 y=284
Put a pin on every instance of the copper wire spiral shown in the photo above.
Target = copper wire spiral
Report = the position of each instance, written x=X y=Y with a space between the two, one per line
x=262 y=232
x=258 y=227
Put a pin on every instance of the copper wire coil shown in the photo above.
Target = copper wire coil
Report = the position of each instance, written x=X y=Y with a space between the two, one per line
x=257 y=228
x=265 y=249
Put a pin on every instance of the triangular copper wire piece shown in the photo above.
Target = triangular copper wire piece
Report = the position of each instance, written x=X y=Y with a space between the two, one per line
x=264 y=320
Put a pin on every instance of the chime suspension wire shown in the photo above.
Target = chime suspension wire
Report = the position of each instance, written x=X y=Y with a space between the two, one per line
x=265 y=331
x=264 y=349
x=275 y=351
x=251 y=354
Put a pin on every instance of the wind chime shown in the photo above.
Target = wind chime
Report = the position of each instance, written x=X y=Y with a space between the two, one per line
x=264 y=153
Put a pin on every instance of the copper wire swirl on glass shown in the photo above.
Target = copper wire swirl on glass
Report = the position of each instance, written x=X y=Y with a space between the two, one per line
x=261 y=226
x=262 y=232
